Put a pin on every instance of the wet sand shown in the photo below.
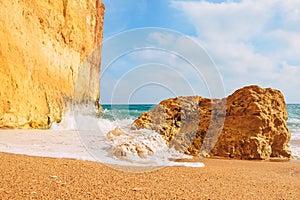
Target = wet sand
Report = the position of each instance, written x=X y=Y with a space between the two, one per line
x=26 y=177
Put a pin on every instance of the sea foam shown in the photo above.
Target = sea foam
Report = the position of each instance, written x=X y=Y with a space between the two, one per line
x=85 y=136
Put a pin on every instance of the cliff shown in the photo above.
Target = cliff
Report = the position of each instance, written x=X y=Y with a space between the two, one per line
x=249 y=124
x=46 y=48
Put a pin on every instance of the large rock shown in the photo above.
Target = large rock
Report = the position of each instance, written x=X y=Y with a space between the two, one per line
x=249 y=124
x=44 y=51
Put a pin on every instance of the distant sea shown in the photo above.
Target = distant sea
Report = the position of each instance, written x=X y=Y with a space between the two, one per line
x=294 y=120
x=119 y=112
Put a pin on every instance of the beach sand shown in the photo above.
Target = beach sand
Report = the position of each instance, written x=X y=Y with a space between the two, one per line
x=27 y=177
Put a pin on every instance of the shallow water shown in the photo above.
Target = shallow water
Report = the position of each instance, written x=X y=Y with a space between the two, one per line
x=84 y=136
x=68 y=144
x=47 y=143
x=293 y=123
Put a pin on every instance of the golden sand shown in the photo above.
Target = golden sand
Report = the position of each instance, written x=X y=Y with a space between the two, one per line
x=25 y=177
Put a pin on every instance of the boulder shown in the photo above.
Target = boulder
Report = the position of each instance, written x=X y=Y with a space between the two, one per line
x=249 y=124
x=45 y=49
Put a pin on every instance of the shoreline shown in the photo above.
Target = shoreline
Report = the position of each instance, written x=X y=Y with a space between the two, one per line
x=40 y=177
x=63 y=144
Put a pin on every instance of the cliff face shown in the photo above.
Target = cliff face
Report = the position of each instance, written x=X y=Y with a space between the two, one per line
x=249 y=124
x=45 y=48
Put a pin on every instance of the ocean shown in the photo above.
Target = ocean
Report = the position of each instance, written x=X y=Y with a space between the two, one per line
x=294 y=120
x=131 y=111
x=111 y=139
x=293 y=124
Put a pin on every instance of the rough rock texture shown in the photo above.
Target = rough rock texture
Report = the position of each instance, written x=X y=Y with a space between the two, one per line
x=44 y=47
x=249 y=124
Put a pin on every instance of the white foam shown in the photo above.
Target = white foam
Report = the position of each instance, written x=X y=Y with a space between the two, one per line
x=295 y=149
x=295 y=144
x=47 y=143
x=67 y=123
x=188 y=164
x=295 y=134
x=83 y=137
x=295 y=152
x=293 y=120
x=294 y=128
x=141 y=147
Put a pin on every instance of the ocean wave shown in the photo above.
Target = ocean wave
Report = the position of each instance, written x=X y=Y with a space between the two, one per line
x=295 y=149
x=111 y=140
x=295 y=135
x=293 y=122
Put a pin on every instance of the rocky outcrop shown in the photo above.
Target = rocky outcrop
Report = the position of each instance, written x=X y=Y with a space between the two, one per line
x=249 y=124
x=45 y=50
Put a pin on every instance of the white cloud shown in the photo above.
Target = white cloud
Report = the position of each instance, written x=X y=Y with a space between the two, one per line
x=290 y=13
x=289 y=50
x=230 y=21
x=252 y=41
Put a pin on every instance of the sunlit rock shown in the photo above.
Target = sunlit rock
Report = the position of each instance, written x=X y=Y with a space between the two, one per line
x=45 y=50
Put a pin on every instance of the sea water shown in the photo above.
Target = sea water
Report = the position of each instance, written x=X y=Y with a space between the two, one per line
x=131 y=111
x=293 y=124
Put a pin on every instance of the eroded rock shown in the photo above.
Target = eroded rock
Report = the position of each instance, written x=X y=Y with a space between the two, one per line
x=249 y=124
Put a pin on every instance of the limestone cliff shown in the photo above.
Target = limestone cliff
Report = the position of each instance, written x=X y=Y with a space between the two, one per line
x=249 y=124
x=45 y=49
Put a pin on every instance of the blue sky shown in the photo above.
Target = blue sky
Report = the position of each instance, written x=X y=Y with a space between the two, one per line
x=249 y=41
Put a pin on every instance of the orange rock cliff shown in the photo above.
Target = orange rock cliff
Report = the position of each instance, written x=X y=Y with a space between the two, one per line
x=46 y=48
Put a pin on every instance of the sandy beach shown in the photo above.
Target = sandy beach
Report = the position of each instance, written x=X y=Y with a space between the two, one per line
x=27 y=177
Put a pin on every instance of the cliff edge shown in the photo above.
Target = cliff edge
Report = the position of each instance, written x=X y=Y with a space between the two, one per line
x=45 y=49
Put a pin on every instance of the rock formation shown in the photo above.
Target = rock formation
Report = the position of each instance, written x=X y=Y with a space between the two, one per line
x=249 y=124
x=44 y=51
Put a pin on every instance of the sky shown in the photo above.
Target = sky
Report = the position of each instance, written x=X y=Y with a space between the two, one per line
x=208 y=48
